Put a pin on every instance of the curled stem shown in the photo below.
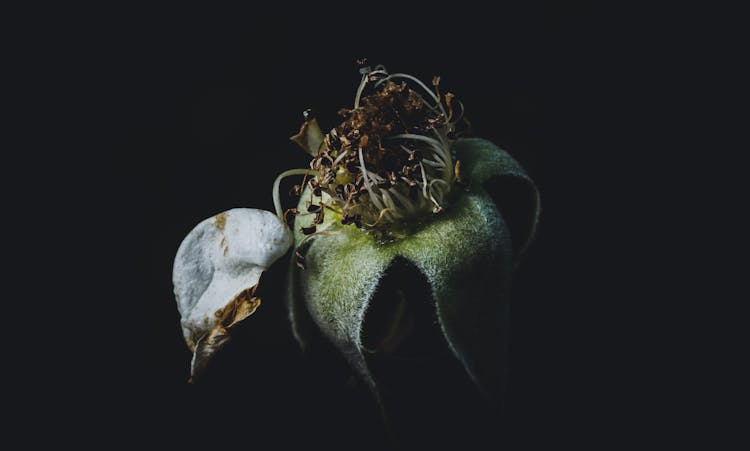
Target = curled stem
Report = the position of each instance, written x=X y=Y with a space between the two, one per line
x=277 y=182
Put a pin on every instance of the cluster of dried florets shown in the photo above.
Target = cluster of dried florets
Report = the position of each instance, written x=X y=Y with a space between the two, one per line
x=388 y=162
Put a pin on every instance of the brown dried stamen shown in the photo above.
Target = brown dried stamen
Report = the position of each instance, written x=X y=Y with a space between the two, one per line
x=388 y=161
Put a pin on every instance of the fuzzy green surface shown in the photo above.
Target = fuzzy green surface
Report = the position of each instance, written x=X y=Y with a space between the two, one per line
x=465 y=254
x=484 y=163
x=483 y=160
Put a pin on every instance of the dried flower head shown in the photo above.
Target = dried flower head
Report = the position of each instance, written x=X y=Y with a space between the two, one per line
x=388 y=164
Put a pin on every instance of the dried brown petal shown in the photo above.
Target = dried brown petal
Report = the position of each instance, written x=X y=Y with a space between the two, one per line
x=309 y=137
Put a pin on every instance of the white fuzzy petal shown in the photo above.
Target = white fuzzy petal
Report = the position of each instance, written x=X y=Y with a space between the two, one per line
x=221 y=257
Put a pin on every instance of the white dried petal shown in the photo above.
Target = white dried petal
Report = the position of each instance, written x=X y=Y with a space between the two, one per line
x=217 y=268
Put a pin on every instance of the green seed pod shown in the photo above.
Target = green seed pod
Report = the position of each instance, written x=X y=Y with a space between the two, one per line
x=466 y=254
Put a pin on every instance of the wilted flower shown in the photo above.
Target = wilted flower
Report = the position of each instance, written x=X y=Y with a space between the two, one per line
x=395 y=183
x=216 y=272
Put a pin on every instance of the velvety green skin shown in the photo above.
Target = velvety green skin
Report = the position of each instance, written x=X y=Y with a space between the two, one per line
x=465 y=253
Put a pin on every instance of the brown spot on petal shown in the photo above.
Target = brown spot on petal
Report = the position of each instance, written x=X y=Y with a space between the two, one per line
x=223 y=245
x=221 y=221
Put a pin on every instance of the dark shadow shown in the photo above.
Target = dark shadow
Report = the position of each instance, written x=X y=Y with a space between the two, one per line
x=516 y=199
x=428 y=396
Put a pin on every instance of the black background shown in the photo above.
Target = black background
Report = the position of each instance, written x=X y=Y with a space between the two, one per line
x=196 y=120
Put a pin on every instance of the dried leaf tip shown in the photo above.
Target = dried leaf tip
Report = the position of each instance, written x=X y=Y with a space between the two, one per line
x=309 y=137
